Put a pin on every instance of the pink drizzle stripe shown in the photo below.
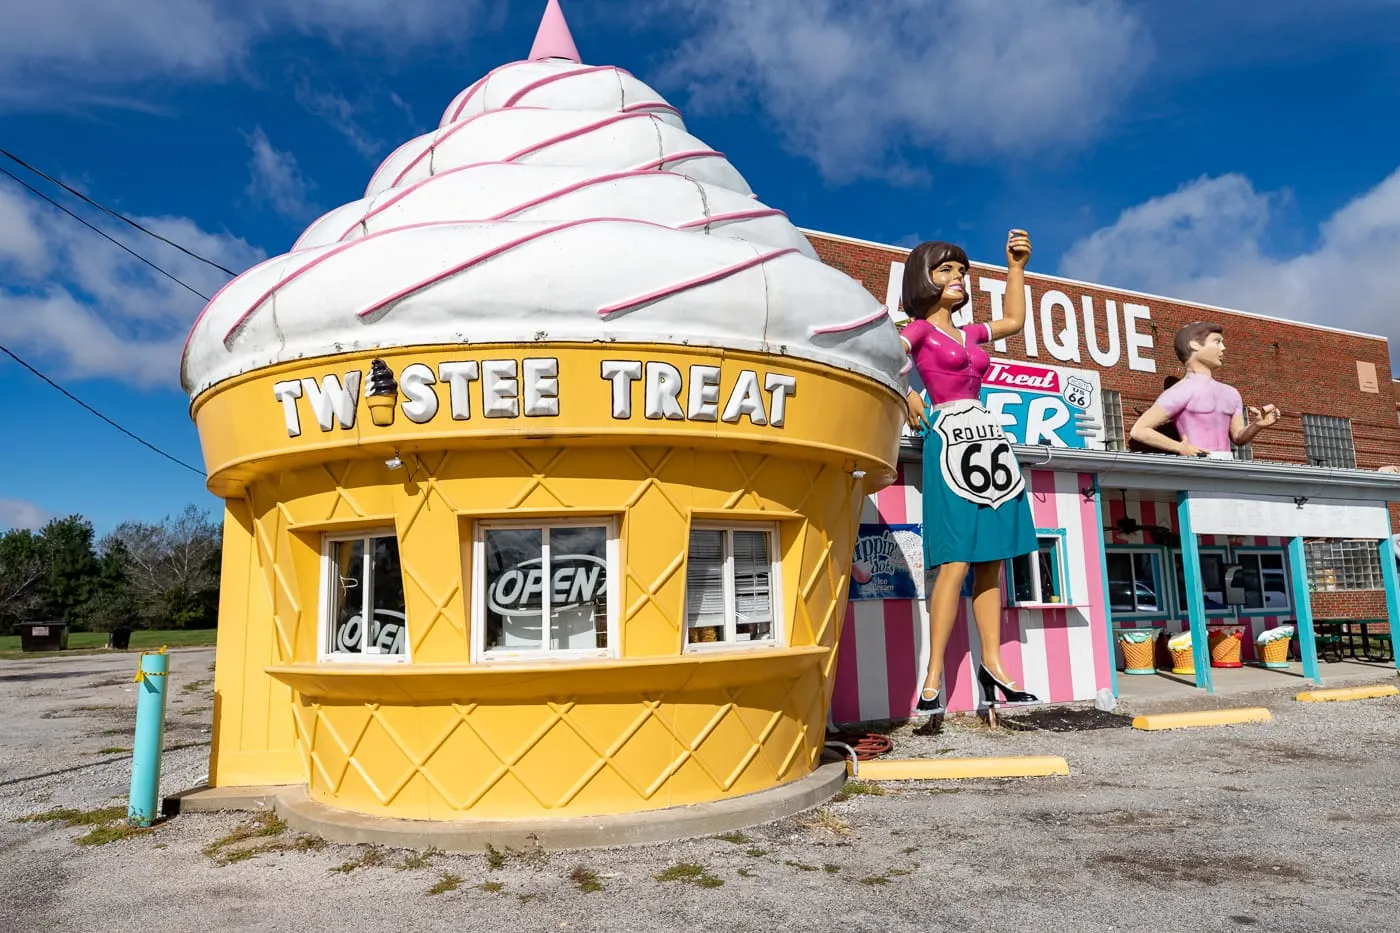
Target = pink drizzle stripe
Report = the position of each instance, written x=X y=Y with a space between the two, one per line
x=409 y=190
x=890 y=502
x=382 y=165
x=851 y=325
x=312 y=226
x=470 y=92
x=205 y=310
x=333 y=251
x=578 y=186
x=650 y=105
x=513 y=99
x=695 y=282
x=730 y=216
x=845 y=694
x=682 y=156
x=1098 y=599
x=1058 y=660
x=900 y=660
x=442 y=137
x=575 y=133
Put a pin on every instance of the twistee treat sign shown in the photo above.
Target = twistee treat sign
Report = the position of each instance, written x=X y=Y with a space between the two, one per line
x=529 y=388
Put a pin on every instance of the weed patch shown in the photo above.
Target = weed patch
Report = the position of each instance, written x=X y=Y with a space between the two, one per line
x=737 y=838
x=756 y=852
x=112 y=750
x=825 y=819
x=71 y=817
x=492 y=887
x=448 y=882
x=689 y=873
x=875 y=880
x=416 y=860
x=585 y=879
x=110 y=832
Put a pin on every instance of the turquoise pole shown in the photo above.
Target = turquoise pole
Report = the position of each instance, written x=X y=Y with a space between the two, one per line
x=1392 y=593
x=151 y=680
x=1195 y=593
x=1302 y=609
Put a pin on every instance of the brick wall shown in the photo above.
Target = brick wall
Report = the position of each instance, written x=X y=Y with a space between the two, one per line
x=1349 y=604
x=1299 y=368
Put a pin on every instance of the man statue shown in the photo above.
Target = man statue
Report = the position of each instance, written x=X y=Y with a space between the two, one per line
x=1208 y=414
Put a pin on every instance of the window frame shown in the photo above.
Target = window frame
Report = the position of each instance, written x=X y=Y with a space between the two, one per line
x=1313 y=575
x=1164 y=611
x=1255 y=551
x=325 y=624
x=731 y=621
x=479 y=653
x=1180 y=609
x=1312 y=442
x=1114 y=423
x=1060 y=538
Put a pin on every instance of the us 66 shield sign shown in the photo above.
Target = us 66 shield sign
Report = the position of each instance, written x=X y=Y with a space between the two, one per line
x=977 y=461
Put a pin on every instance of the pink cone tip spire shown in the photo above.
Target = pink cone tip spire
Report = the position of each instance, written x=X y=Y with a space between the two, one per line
x=553 y=39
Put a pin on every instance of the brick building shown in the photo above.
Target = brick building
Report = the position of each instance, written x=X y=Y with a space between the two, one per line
x=1341 y=418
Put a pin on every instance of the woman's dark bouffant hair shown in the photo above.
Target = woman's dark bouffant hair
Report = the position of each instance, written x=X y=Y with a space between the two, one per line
x=920 y=294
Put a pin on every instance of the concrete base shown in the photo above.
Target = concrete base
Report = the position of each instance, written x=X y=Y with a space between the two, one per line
x=305 y=815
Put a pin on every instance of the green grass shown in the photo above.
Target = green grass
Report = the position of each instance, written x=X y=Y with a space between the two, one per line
x=689 y=873
x=586 y=879
x=91 y=641
x=448 y=882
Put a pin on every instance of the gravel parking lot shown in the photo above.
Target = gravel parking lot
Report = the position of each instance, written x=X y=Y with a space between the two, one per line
x=1287 y=825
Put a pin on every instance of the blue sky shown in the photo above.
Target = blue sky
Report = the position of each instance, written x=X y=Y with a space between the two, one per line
x=1242 y=154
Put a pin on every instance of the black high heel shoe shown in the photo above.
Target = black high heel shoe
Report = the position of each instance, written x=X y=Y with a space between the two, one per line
x=930 y=705
x=1009 y=694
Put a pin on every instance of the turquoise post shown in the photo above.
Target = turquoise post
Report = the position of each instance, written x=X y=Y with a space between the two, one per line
x=1103 y=577
x=1392 y=593
x=1195 y=593
x=1302 y=606
x=151 y=678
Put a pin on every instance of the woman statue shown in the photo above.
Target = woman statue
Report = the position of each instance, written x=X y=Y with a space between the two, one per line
x=976 y=513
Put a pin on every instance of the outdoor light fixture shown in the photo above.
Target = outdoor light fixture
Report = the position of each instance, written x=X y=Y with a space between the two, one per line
x=1300 y=501
x=394 y=462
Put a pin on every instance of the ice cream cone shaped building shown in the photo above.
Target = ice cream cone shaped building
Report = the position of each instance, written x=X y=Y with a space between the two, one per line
x=543 y=463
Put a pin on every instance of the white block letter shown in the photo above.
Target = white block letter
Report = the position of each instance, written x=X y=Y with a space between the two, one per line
x=1131 y=315
x=416 y=383
x=704 y=393
x=287 y=393
x=663 y=392
x=622 y=373
x=458 y=376
x=541 y=387
x=499 y=389
x=745 y=399
x=332 y=401
x=780 y=389
x=1062 y=344
x=1110 y=356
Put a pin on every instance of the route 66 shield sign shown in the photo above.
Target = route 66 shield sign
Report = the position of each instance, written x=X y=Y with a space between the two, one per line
x=978 y=463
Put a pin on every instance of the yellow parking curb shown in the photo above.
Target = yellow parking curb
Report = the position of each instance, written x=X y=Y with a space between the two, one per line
x=1207 y=717
x=1369 y=692
x=944 y=769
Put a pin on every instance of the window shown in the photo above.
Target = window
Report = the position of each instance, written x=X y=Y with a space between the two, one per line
x=1134 y=583
x=1212 y=582
x=1343 y=565
x=1039 y=577
x=362 y=580
x=1113 y=420
x=544 y=589
x=1263 y=577
x=1327 y=441
x=731 y=579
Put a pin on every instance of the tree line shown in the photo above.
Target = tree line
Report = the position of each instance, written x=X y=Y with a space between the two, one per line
x=162 y=575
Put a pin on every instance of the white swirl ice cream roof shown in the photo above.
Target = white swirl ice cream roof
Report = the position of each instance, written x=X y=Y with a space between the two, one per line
x=557 y=201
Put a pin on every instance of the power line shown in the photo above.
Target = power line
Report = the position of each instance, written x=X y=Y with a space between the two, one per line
x=144 y=443
x=119 y=216
x=36 y=192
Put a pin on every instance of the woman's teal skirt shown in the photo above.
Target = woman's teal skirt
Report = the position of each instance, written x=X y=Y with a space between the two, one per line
x=958 y=530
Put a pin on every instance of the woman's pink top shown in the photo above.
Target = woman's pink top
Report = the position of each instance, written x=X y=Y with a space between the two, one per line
x=950 y=371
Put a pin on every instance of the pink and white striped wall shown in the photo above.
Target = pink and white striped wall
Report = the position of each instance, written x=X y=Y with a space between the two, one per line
x=1163 y=512
x=1058 y=654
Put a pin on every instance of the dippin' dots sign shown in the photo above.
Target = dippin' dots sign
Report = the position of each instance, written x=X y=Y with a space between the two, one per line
x=529 y=388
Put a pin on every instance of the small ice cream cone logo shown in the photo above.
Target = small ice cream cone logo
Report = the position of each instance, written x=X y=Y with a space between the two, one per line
x=381 y=393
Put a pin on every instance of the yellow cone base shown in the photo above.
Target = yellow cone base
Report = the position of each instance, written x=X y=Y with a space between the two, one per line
x=1333 y=694
x=1208 y=717
x=947 y=769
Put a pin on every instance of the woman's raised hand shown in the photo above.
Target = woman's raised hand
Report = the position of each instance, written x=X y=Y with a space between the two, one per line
x=1018 y=248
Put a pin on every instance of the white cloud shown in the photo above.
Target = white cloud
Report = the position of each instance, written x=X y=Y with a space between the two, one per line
x=340 y=113
x=277 y=179
x=853 y=85
x=77 y=306
x=1206 y=242
x=16 y=513
x=52 y=54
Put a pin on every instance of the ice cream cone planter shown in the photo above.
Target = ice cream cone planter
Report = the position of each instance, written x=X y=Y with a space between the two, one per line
x=1138 y=647
x=1271 y=646
x=605 y=546
x=1179 y=646
x=1225 y=643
